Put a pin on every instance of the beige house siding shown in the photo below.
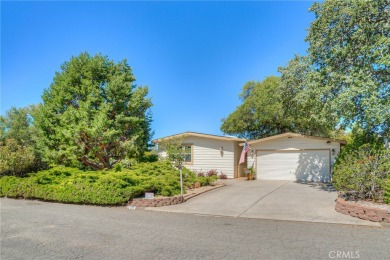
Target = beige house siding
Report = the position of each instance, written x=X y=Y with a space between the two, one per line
x=207 y=155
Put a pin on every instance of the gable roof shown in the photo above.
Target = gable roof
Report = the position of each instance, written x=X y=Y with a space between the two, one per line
x=289 y=134
x=191 y=134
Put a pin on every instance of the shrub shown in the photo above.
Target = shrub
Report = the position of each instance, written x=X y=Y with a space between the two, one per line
x=17 y=160
x=212 y=173
x=107 y=187
x=222 y=176
x=207 y=180
x=362 y=173
x=149 y=157
x=387 y=190
x=200 y=174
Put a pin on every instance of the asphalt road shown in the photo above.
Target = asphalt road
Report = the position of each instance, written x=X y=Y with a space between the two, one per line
x=41 y=230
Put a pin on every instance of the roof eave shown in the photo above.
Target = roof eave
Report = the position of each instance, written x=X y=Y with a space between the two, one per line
x=294 y=135
x=188 y=134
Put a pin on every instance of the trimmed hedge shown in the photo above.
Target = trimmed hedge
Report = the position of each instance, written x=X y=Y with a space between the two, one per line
x=107 y=187
x=387 y=190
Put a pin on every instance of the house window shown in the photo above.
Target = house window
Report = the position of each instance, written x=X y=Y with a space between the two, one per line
x=187 y=153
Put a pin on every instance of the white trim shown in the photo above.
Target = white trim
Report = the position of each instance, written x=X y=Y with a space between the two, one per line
x=190 y=134
x=289 y=134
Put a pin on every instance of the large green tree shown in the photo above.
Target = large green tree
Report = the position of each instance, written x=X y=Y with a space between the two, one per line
x=349 y=49
x=93 y=114
x=260 y=113
x=344 y=80
x=301 y=101
x=273 y=107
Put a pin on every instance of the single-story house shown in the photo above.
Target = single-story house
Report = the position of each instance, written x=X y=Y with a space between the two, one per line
x=287 y=156
x=204 y=152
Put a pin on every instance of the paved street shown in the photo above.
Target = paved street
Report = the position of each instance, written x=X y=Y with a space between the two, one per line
x=41 y=230
x=267 y=199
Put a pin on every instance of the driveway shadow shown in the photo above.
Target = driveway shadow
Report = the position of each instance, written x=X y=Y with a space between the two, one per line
x=323 y=186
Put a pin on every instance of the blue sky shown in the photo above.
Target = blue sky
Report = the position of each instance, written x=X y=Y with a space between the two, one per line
x=194 y=56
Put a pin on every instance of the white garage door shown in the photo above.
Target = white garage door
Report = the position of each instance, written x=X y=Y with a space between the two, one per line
x=308 y=165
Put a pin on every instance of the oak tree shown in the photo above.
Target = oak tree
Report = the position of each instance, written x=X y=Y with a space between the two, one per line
x=349 y=49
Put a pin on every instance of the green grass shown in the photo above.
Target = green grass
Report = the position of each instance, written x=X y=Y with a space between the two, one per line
x=107 y=187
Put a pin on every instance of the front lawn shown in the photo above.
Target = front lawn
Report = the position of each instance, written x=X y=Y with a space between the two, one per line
x=107 y=187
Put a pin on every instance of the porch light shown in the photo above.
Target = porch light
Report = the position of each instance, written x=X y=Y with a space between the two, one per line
x=221 y=150
x=252 y=153
x=333 y=151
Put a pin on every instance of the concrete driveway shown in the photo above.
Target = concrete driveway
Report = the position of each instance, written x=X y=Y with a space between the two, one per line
x=279 y=200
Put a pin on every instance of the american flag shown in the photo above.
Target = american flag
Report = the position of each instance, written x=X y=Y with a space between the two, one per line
x=245 y=149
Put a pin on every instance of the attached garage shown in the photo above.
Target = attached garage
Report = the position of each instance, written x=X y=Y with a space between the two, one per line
x=294 y=157
x=305 y=165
